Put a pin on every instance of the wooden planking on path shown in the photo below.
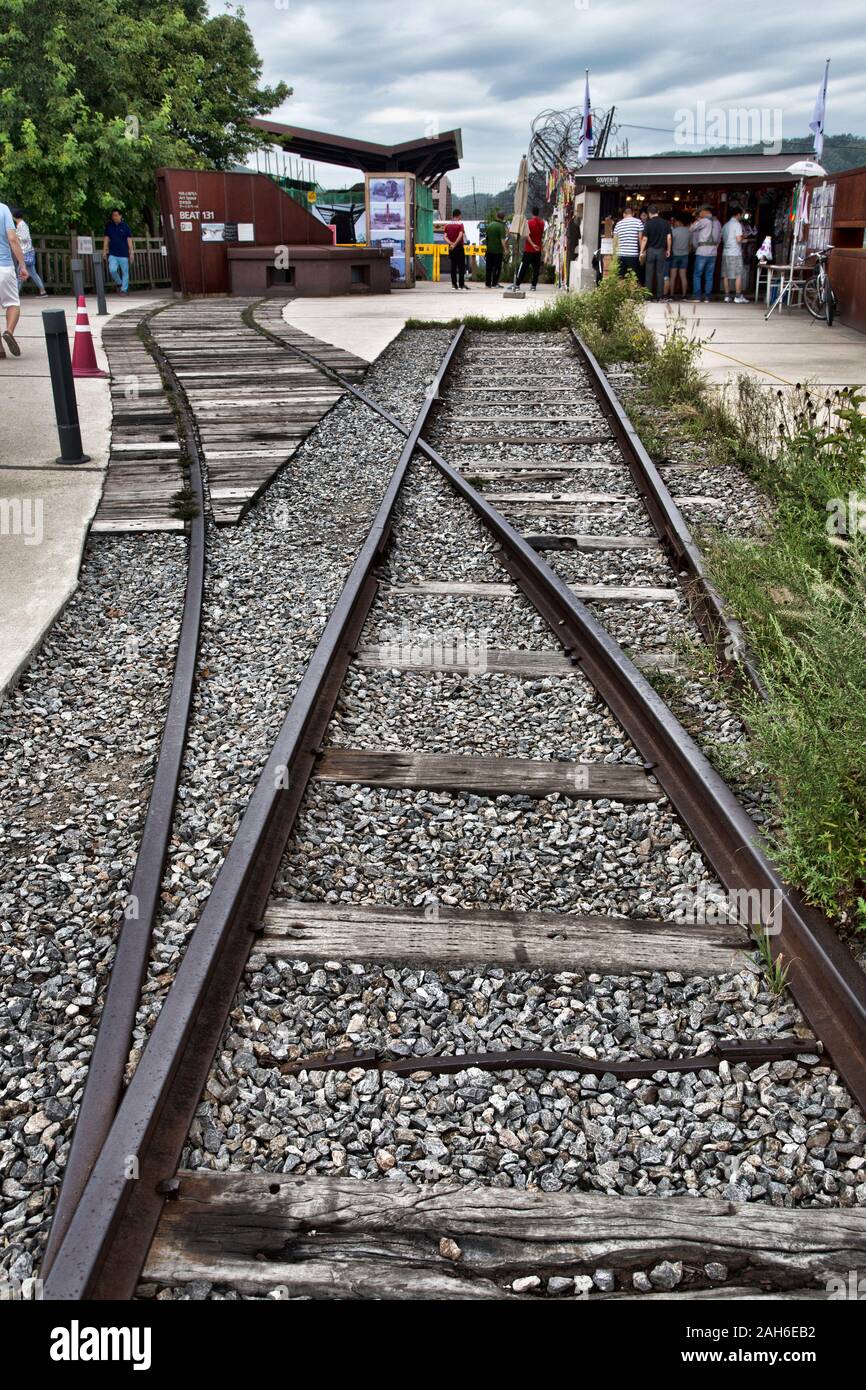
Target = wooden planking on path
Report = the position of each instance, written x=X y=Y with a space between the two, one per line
x=524 y=940
x=338 y=1237
x=254 y=402
x=374 y=767
x=145 y=467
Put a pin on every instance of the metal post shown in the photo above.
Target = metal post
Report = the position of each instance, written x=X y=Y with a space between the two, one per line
x=77 y=277
x=65 y=404
x=99 y=282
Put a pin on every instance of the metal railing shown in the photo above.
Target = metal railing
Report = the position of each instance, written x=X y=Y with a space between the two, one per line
x=54 y=255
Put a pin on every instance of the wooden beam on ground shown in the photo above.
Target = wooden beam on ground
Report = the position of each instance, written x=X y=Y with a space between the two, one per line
x=553 y=540
x=589 y=593
x=532 y=665
x=337 y=1238
x=523 y=940
x=375 y=767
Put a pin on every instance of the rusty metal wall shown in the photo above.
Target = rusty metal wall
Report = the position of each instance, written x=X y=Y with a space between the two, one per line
x=196 y=197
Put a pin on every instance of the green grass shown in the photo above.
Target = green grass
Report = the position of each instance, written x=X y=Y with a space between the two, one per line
x=775 y=971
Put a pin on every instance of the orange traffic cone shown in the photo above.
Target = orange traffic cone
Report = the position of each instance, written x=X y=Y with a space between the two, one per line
x=83 y=354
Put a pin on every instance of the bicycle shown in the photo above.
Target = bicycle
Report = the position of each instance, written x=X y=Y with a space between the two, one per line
x=818 y=294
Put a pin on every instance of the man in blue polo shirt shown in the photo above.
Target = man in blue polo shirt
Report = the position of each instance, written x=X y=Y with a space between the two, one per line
x=117 y=249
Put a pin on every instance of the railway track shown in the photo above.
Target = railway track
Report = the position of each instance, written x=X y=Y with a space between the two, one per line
x=446 y=924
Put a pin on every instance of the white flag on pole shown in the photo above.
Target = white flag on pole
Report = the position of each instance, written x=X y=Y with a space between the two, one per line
x=816 y=125
x=585 y=149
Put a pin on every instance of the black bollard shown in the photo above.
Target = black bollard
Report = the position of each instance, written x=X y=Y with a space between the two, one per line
x=77 y=277
x=63 y=386
x=99 y=282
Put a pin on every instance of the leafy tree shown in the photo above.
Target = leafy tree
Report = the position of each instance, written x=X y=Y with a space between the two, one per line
x=94 y=98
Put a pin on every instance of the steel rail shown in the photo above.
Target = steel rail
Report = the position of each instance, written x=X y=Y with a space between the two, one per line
x=720 y=629
x=110 y=1055
x=106 y=1242
x=824 y=979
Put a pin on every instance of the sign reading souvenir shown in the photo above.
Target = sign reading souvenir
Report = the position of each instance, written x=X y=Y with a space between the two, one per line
x=390 y=206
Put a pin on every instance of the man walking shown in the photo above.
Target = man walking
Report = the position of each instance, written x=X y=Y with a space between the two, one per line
x=706 y=235
x=455 y=235
x=655 y=248
x=732 y=256
x=10 y=253
x=495 y=233
x=25 y=241
x=532 y=248
x=117 y=249
x=626 y=237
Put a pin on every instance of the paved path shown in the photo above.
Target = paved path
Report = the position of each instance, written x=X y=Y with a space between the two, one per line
x=366 y=324
x=790 y=347
x=45 y=508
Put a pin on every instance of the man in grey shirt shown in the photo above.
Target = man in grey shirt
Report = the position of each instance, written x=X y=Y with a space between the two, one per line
x=706 y=235
x=10 y=252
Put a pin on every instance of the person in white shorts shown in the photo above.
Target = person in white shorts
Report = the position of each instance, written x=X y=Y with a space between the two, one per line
x=10 y=252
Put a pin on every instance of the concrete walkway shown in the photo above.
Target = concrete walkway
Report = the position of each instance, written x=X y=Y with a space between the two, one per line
x=366 y=324
x=46 y=508
x=791 y=346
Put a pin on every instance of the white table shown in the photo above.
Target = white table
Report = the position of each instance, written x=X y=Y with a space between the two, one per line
x=779 y=274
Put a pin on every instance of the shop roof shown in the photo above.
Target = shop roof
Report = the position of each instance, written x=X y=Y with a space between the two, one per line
x=690 y=169
x=428 y=157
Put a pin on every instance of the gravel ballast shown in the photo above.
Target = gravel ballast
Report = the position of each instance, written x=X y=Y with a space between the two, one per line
x=81 y=732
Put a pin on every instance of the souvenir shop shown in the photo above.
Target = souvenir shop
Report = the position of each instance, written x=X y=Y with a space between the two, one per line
x=588 y=202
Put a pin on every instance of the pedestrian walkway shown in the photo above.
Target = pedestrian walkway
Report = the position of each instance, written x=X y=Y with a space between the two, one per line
x=790 y=346
x=46 y=508
x=366 y=324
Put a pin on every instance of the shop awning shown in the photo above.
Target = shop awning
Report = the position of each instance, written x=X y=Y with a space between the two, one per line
x=689 y=170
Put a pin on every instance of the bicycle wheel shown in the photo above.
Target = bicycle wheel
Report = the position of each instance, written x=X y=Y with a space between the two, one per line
x=813 y=297
x=830 y=305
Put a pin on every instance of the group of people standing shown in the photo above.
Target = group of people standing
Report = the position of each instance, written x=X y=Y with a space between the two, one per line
x=657 y=250
x=496 y=234
x=18 y=264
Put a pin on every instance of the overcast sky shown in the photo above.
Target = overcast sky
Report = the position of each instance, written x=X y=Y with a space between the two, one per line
x=391 y=71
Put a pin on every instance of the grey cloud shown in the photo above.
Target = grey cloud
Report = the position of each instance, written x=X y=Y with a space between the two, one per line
x=349 y=59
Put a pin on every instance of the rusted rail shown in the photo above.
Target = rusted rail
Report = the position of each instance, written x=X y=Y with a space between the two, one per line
x=108 y=1236
x=110 y=1053
x=720 y=629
